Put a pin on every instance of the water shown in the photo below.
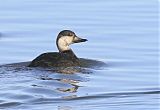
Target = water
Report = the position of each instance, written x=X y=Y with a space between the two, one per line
x=121 y=33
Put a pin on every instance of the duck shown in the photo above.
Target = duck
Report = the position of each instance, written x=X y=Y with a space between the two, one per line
x=65 y=57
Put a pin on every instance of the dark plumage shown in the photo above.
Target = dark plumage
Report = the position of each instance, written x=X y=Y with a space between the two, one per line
x=65 y=57
x=56 y=59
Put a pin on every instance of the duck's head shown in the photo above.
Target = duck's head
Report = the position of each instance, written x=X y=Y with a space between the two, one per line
x=65 y=38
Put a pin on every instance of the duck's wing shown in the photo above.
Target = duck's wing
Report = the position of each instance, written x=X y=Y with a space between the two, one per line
x=45 y=60
x=55 y=59
x=90 y=63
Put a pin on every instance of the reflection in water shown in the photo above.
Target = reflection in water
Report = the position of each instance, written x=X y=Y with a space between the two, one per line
x=52 y=74
x=71 y=81
x=73 y=89
x=64 y=108
x=49 y=82
x=70 y=97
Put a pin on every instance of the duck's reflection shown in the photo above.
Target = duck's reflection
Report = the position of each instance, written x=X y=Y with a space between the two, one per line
x=72 y=80
x=73 y=83
x=72 y=89
x=64 y=80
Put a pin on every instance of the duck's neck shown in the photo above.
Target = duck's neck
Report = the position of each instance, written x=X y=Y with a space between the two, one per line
x=69 y=53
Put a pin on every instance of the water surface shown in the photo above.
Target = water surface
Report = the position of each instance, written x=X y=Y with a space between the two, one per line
x=121 y=33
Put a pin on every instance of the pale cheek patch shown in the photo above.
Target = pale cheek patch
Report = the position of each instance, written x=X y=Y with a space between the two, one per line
x=69 y=40
x=64 y=42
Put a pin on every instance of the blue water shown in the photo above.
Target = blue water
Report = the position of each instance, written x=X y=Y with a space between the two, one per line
x=121 y=33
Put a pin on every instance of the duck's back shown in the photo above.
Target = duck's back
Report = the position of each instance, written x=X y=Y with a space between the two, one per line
x=55 y=59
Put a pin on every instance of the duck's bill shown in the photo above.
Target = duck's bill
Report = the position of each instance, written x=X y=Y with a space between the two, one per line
x=78 y=40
